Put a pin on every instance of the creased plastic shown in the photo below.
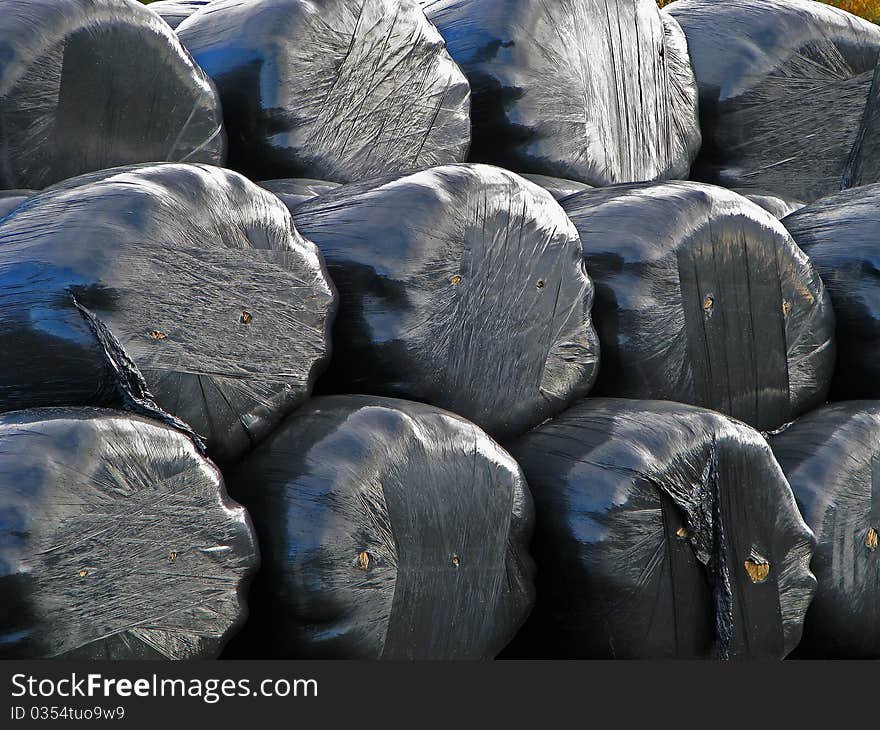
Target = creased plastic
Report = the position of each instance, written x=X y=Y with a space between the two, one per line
x=91 y=84
x=841 y=235
x=831 y=458
x=558 y=187
x=388 y=530
x=294 y=191
x=662 y=531
x=462 y=286
x=774 y=204
x=331 y=89
x=599 y=91
x=182 y=292
x=702 y=297
x=117 y=540
x=788 y=96
x=11 y=199
x=174 y=12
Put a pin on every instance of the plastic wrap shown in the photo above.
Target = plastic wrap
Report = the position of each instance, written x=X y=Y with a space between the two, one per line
x=788 y=100
x=662 y=530
x=388 y=530
x=777 y=206
x=11 y=199
x=117 y=540
x=174 y=12
x=294 y=191
x=702 y=297
x=831 y=458
x=841 y=234
x=599 y=91
x=332 y=89
x=89 y=84
x=180 y=291
x=558 y=187
x=462 y=286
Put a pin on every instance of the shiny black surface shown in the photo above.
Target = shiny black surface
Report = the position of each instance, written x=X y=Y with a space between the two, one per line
x=841 y=235
x=462 y=286
x=832 y=460
x=786 y=99
x=117 y=540
x=599 y=91
x=702 y=297
x=90 y=84
x=186 y=285
x=331 y=89
x=387 y=530
x=651 y=521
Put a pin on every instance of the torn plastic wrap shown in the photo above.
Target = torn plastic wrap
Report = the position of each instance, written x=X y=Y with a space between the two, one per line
x=294 y=191
x=388 y=530
x=91 y=84
x=335 y=89
x=11 y=199
x=117 y=540
x=831 y=458
x=702 y=297
x=558 y=187
x=179 y=291
x=462 y=286
x=662 y=531
x=773 y=204
x=174 y=12
x=841 y=235
x=600 y=91
x=788 y=99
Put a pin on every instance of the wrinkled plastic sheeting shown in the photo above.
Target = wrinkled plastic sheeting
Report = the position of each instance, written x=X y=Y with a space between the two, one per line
x=778 y=207
x=183 y=292
x=831 y=458
x=388 y=530
x=117 y=540
x=841 y=235
x=662 y=531
x=174 y=12
x=788 y=94
x=91 y=84
x=294 y=191
x=599 y=91
x=702 y=297
x=462 y=286
x=340 y=90
x=11 y=199
x=558 y=187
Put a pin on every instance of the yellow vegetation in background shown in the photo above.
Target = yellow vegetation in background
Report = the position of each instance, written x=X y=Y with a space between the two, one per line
x=869 y=9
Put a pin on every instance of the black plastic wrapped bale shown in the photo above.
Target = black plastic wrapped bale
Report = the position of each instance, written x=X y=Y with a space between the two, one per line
x=831 y=458
x=174 y=12
x=558 y=187
x=294 y=191
x=788 y=96
x=91 y=84
x=661 y=531
x=180 y=291
x=11 y=199
x=388 y=530
x=331 y=89
x=117 y=540
x=777 y=206
x=841 y=235
x=600 y=91
x=702 y=297
x=462 y=286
